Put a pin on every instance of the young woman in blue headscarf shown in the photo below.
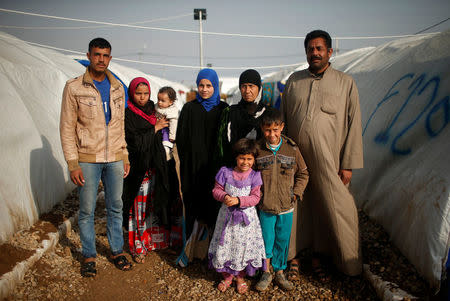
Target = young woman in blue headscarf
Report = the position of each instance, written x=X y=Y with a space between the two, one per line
x=196 y=141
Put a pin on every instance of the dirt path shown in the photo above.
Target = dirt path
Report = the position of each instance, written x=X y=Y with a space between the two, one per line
x=56 y=275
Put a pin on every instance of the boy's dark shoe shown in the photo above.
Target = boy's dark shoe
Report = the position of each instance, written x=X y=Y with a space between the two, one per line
x=283 y=283
x=264 y=282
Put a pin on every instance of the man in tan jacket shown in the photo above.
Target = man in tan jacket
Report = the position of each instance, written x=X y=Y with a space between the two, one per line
x=93 y=141
x=322 y=115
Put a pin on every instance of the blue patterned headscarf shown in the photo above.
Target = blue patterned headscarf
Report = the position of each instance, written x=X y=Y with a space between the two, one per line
x=214 y=100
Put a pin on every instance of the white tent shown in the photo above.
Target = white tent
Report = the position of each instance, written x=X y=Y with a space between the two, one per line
x=404 y=88
x=228 y=83
x=35 y=175
x=271 y=81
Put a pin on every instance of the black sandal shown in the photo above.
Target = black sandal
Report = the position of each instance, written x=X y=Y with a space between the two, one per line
x=122 y=263
x=321 y=274
x=140 y=258
x=88 y=269
x=294 y=272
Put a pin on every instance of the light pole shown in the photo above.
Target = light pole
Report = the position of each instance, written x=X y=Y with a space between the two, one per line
x=200 y=14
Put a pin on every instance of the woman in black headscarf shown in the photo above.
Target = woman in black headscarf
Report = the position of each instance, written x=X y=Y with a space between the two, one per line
x=241 y=120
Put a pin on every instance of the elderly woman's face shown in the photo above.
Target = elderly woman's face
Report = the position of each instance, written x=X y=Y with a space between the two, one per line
x=249 y=92
x=205 y=88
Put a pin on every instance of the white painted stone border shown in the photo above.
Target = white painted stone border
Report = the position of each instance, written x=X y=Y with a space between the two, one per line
x=386 y=291
x=9 y=280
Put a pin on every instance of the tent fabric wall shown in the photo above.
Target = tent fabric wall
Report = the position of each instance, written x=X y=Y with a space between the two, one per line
x=35 y=175
x=404 y=87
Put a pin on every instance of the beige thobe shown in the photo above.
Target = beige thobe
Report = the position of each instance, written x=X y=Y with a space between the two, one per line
x=323 y=117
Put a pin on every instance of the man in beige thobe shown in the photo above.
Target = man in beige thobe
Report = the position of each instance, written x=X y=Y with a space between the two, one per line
x=322 y=114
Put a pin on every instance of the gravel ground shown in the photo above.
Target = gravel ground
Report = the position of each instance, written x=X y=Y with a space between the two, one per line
x=56 y=275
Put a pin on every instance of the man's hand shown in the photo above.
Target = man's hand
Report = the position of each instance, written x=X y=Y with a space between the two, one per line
x=77 y=177
x=345 y=175
x=126 y=169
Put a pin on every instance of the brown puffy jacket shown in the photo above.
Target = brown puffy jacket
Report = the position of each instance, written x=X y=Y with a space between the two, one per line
x=85 y=137
x=284 y=176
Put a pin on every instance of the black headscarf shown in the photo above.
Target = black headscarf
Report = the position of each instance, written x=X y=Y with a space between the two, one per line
x=244 y=117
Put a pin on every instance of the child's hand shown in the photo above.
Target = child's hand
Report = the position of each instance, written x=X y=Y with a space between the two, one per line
x=230 y=201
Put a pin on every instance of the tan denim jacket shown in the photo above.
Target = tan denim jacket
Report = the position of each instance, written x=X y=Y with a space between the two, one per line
x=85 y=137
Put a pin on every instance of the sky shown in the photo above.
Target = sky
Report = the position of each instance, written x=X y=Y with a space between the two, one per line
x=294 y=18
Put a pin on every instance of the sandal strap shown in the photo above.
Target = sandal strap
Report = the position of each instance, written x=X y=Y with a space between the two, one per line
x=121 y=259
x=88 y=269
x=225 y=283
x=139 y=258
x=322 y=274
x=242 y=287
x=122 y=263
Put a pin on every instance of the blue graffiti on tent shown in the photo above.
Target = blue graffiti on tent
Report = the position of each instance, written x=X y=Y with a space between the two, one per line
x=432 y=113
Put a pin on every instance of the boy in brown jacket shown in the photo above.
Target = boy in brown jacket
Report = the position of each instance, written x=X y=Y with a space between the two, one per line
x=284 y=176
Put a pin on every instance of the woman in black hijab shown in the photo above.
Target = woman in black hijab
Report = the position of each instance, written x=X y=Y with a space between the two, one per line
x=241 y=120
